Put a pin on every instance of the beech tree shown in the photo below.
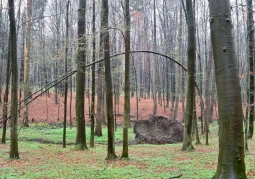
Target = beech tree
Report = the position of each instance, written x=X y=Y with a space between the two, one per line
x=27 y=61
x=127 y=81
x=6 y=94
x=100 y=82
x=187 y=138
x=231 y=162
x=250 y=75
x=14 y=152
x=66 y=83
x=93 y=86
x=154 y=63
x=80 y=79
x=108 y=80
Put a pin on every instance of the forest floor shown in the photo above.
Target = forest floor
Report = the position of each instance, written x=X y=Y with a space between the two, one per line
x=44 y=109
x=42 y=156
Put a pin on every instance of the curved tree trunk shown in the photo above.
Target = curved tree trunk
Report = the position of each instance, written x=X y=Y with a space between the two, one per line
x=231 y=162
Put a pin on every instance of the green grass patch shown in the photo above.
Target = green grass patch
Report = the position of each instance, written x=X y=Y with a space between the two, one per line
x=42 y=156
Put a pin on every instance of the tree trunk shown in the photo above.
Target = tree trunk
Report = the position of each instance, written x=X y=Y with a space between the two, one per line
x=108 y=80
x=66 y=82
x=231 y=162
x=187 y=138
x=27 y=62
x=56 y=64
x=178 y=88
x=250 y=38
x=93 y=85
x=6 y=94
x=1 y=54
x=208 y=113
x=154 y=66
x=127 y=82
x=100 y=85
x=14 y=153
x=80 y=79
x=195 y=129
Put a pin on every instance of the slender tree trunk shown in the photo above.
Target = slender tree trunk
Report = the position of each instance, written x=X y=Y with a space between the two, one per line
x=6 y=94
x=1 y=54
x=21 y=71
x=108 y=80
x=14 y=153
x=56 y=64
x=27 y=62
x=195 y=125
x=178 y=90
x=66 y=82
x=100 y=86
x=250 y=38
x=187 y=140
x=80 y=79
x=155 y=71
x=70 y=106
x=208 y=113
x=231 y=162
x=92 y=108
x=127 y=81
x=246 y=117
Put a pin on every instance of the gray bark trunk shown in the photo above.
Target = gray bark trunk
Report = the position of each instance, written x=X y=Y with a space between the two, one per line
x=231 y=162
x=187 y=140
x=80 y=79
x=14 y=153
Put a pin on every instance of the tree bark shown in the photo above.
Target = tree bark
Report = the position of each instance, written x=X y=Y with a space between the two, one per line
x=250 y=92
x=187 y=137
x=6 y=94
x=14 y=153
x=108 y=80
x=93 y=85
x=27 y=61
x=155 y=64
x=100 y=85
x=66 y=82
x=80 y=79
x=208 y=113
x=231 y=162
x=127 y=82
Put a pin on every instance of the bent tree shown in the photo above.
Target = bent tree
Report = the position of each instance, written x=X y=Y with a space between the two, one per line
x=231 y=142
